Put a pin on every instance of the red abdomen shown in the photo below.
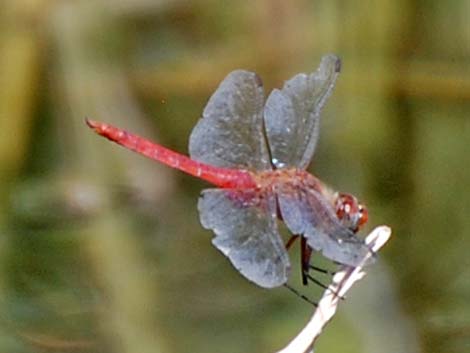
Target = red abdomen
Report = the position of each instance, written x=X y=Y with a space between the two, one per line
x=222 y=177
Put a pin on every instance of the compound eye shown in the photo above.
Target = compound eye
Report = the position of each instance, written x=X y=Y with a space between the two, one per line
x=345 y=207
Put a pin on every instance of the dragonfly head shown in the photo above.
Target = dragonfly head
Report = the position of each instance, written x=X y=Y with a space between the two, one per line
x=351 y=213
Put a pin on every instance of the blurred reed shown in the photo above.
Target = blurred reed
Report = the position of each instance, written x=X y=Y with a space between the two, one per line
x=395 y=132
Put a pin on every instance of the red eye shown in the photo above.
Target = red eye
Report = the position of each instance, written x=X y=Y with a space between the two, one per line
x=344 y=206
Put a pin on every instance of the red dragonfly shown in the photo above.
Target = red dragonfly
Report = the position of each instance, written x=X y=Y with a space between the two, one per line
x=256 y=153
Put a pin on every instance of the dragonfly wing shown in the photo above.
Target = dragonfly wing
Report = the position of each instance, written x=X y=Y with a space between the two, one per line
x=306 y=212
x=292 y=114
x=244 y=223
x=230 y=132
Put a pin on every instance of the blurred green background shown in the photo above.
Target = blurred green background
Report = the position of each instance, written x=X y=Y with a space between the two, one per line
x=101 y=250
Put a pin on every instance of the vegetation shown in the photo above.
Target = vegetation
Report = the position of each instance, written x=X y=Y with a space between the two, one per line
x=101 y=250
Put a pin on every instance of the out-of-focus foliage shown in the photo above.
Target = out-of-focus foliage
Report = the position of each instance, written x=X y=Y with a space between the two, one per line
x=101 y=250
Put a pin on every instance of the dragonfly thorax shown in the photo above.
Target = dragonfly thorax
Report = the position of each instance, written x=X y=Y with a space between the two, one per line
x=350 y=212
x=291 y=177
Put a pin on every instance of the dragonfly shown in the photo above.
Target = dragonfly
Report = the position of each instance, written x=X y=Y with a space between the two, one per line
x=256 y=153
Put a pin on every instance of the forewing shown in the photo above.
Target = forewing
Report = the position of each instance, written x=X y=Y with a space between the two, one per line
x=292 y=114
x=230 y=132
x=306 y=212
x=244 y=223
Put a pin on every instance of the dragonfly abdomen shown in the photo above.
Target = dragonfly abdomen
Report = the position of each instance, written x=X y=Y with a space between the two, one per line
x=222 y=177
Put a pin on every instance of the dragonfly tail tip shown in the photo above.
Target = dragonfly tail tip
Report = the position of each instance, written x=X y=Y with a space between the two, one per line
x=89 y=122
x=92 y=124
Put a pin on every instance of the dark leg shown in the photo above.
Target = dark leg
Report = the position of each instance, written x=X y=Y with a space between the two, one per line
x=305 y=254
x=321 y=270
x=297 y=293
x=291 y=241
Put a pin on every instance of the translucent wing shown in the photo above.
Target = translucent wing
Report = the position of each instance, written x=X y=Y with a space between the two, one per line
x=306 y=212
x=292 y=114
x=230 y=134
x=244 y=223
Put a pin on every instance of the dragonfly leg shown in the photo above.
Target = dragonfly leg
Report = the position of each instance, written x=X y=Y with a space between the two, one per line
x=321 y=270
x=305 y=254
x=320 y=284
x=300 y=295
x=291 y=241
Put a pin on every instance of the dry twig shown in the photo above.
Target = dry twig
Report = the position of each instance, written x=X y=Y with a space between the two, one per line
x=342 y=282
